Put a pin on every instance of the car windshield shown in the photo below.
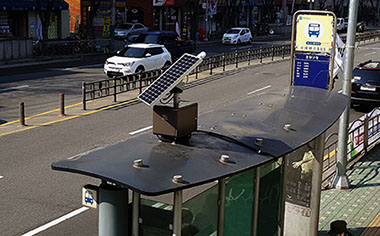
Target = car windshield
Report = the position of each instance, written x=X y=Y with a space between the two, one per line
x=147 y=38
x=233 y=31
x=132 y=52
x=372 y=65
x=125 y=26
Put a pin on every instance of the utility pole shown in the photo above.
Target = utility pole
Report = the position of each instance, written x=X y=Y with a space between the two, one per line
x=112 y=25
x=341 y=180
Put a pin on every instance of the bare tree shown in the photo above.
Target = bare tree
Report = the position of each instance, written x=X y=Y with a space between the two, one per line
x=338 y=7
x=322 y=4
x=45 y=16
x=86 y=29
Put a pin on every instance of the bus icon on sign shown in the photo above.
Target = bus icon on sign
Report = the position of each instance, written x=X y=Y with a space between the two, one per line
x=314 y=29
x=88 y=197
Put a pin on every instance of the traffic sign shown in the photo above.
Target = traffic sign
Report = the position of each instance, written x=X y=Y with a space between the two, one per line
x=312 y=49
x=90 y=196
x=311 y=70
x=314 y=33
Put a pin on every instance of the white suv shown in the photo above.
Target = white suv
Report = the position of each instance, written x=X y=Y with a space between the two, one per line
x=136 y=58
x=237 y=36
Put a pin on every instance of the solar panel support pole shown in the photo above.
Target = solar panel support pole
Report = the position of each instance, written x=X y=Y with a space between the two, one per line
x=341 y=180
x=135 y=213
x=113 y=210
x=176 y=100
x=177 y=210
x=222 y=204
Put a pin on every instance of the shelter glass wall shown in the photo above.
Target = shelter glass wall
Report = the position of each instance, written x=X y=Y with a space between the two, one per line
x=200 y=213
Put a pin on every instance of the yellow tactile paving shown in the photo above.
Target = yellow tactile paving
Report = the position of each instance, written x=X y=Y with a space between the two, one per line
x=373 y=228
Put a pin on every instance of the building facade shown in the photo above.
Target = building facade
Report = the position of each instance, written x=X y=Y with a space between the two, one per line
x=21 y=19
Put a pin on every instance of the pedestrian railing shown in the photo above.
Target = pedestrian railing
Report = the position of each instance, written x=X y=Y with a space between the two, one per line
x=122 y=84
x=115 y=86
x=363 y=133
x=69 y=47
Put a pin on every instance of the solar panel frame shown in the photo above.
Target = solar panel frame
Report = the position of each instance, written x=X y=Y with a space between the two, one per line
x=169 y=79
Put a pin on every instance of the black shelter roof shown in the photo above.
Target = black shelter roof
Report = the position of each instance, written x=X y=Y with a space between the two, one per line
x=285 y=122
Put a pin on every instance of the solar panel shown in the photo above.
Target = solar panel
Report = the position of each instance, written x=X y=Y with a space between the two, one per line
x=170 y=78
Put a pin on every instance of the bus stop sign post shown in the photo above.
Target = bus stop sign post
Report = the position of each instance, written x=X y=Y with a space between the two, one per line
x=312 y=53
x=313 y=41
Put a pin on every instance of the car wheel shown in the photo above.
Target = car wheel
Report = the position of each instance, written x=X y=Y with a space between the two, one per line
x=251 y=40
x=238 y=42
x=167 y=64
x=139 y=70
x=127 y=37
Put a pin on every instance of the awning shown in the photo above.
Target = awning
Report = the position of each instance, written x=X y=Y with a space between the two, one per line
x=28 y=5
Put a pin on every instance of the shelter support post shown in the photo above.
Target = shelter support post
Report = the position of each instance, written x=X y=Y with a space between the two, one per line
x=255 y=209
x=135 y=213
x=222 y=204
x=113 y=210
x=177 y=218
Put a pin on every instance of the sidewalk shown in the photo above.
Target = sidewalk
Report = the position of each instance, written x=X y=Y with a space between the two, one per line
x=360 y=205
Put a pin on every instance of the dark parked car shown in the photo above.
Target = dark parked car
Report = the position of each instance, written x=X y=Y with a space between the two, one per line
x=169 y=40
x=361 y=26
x=129 y=31
x=366 y=84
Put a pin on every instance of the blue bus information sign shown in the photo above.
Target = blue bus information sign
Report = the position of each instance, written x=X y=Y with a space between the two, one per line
x=311 y=70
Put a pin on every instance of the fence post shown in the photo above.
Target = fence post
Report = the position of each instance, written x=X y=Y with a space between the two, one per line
x=210 y=62
x=366 y=131
x=21 y=114
x=84 y=95
x=224 y=61
x=114 y=91
x=261 y=54
x=272 y=52
x=61 y=104
x=236 y=59
x=140 y=82
x=249 y=56
x=283 y=51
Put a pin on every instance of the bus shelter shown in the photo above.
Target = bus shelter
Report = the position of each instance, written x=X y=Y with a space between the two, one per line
x=251 y=168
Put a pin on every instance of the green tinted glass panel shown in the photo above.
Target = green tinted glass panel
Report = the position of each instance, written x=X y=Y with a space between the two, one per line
x=202 y=213
x=270 y=199
x=239 y=199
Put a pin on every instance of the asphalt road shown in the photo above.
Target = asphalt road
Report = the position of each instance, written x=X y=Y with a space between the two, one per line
x=33 y=195
x=39 y=85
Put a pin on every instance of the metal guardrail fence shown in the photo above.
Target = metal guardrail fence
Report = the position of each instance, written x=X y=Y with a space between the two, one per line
x=117 y=85
x=363 y=133
x=69 y=47
x=112 y=87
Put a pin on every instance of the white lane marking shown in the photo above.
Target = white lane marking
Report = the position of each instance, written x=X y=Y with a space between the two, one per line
x=340 y=91
x=83 y=67
x=1 y=176
x=56 y=221
x=367 y=54
x=13 y=88
x=258 y=90
x=140 y=130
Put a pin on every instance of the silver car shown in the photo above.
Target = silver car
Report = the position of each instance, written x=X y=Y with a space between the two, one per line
x=129 y=31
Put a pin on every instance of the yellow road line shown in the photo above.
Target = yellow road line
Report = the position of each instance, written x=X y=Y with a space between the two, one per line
x=68 y=118
x=44 y=113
